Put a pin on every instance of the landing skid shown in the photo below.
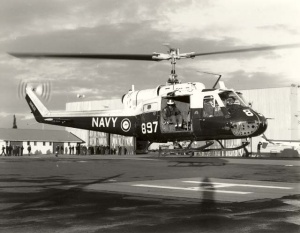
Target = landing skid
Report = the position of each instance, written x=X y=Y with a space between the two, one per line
x=203 y=148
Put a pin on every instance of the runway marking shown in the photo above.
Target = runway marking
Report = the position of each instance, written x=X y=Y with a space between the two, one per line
x=190 y=189
x=221 y=185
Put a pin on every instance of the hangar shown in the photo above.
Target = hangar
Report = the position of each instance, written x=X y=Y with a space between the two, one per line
x=40 y=141
x=281 y=105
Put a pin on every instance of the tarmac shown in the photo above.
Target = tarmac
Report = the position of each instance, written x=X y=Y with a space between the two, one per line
x=147 y=193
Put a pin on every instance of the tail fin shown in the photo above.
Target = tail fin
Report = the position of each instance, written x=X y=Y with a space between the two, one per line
x=37 y=108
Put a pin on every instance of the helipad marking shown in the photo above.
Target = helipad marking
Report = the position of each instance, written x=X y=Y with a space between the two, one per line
x=189 y=189
x=221 y=185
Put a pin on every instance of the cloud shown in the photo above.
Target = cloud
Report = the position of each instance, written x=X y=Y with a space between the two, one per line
x=4 y=114
x=242 y=80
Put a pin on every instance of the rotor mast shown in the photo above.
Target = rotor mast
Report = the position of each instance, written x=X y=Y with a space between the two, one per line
x=173 y=76
x=173 y=55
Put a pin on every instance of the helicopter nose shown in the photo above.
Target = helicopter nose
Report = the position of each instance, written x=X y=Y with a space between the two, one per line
x=253 y=127
x=263 y=124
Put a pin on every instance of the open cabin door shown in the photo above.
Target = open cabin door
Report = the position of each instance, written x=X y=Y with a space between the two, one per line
x=175 y=114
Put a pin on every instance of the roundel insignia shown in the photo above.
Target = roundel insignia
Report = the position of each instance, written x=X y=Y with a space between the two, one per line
x=125 y=125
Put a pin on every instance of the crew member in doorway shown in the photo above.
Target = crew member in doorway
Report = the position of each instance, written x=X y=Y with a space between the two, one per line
x=171 y=114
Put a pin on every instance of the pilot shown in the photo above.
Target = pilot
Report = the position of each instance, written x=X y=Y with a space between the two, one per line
x=230 y=100
x=231 y=105
x=208 y=109
x=171 y=114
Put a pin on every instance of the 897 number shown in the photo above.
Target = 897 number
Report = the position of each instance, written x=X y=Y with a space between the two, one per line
x=149 y=127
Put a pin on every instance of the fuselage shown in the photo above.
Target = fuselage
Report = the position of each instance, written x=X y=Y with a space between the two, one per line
x=206 y=114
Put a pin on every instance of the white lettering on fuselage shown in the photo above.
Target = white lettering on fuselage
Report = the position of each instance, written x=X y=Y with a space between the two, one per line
x=32 y=106
x=104 y=121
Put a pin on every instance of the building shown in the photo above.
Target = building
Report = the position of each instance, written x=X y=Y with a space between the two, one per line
x=281 y=105
x=282 y=108
x=40 y=141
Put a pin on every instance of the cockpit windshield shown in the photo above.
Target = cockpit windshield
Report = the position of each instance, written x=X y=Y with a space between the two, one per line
x=232 y=98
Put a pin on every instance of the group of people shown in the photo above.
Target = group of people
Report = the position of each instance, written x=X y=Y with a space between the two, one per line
x=91 y=150
x=12 y=150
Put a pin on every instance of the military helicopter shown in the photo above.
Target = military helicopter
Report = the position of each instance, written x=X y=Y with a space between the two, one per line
x=168 y=113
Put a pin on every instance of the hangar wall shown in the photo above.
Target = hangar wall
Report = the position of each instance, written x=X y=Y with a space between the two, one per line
x=282 y=106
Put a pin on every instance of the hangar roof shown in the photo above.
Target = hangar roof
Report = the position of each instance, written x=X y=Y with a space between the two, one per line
x=38 y=135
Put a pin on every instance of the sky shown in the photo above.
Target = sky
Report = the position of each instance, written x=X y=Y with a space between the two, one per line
x=140 y=27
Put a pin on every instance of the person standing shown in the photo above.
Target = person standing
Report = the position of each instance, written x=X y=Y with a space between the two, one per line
x=17 y=150
x=10 y=149
x=258 y=148
x=14 y=150
x=57 y=150
x=77 y=149
x=29 y=150
x=21 y=150
x=3 y=151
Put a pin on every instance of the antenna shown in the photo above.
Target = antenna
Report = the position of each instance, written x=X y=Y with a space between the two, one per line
x=219 y=77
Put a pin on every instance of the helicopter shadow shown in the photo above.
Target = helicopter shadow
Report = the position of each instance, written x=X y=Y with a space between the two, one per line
x=196 y=162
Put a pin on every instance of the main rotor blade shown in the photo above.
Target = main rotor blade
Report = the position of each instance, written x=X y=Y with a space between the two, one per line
x=143 y=57
x=250 y=49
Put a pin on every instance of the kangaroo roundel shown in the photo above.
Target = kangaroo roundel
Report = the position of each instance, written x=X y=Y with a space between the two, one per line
x=125 y=125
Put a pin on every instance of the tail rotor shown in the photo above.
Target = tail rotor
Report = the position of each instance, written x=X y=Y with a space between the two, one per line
x=42 y=90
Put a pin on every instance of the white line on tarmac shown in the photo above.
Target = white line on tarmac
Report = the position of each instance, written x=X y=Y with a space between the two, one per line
x=240 y=185
x=189 y=189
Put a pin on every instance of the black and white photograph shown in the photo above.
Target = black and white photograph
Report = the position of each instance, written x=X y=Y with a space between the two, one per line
x=149 y=116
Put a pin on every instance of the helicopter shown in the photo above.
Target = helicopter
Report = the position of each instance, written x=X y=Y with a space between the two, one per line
x=172 y=112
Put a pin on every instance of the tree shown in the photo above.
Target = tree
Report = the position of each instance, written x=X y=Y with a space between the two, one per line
x=15 y=123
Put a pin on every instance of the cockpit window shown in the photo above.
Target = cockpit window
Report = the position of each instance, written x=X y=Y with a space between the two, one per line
x=211 y=107
x=242 y=97
x=231 y=98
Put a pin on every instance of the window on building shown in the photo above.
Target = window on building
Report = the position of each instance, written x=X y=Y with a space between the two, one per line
x=28 y=143
x=44 y=143
x=35 y=143
x=50 y=143
x=69 y=143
